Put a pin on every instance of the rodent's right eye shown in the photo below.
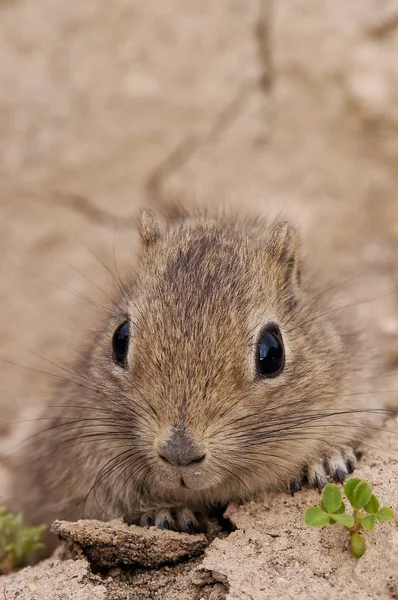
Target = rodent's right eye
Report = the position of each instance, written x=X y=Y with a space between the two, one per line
x=120 y=343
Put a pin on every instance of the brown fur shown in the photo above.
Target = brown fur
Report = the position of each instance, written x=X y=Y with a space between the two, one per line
x=203 y=289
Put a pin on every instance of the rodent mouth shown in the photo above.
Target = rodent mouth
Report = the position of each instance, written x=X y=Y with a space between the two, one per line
x=183 y=484
x=183 y=480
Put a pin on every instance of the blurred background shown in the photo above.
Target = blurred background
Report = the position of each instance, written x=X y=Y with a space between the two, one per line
x=104 y=106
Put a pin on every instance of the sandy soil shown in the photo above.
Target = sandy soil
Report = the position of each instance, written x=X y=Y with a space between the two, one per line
x=105 y=105
x=272 y=554
x=273 y=549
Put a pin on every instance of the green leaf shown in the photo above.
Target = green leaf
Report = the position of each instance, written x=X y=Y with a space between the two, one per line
x=361 y=494
x=316 y=517
x=372 y=506
x=385 y=514
x=346 y=520
x=341 y=510
x=349 y=487
x=331 y=498
x=357 y=545
x=368 y=522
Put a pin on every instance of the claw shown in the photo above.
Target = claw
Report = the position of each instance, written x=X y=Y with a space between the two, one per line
x=191 y=527
x=166 y=524
x=320 y=482
x=335 y=465
x=351 y=464
x=339 y=475
x=147 y=521
x=179 y=519
x=294 y=486
x=164 y=520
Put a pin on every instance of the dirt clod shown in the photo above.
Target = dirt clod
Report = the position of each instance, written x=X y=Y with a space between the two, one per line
x=115 y=543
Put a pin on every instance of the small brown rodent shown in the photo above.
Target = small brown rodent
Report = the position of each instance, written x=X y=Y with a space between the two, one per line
x=221 y=373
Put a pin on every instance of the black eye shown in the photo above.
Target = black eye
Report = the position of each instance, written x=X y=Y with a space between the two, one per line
x=270 y=353
x=120 y=343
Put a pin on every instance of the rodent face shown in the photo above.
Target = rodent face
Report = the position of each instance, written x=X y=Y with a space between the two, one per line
x=209 y=302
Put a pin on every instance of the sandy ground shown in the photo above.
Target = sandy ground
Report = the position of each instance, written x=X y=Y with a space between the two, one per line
x=272 y=554
x=105 y=105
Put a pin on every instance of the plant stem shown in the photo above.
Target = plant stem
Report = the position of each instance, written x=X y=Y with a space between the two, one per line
x=357 y=525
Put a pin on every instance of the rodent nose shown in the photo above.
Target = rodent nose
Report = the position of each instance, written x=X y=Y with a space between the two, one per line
x=179 y=450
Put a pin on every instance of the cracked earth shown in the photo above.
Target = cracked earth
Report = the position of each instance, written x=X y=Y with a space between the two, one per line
x=105 y=107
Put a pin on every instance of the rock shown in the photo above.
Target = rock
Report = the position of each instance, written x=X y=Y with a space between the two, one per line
x=115 y=543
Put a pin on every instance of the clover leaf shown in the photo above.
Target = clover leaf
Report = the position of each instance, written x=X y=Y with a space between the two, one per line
x=366 y=511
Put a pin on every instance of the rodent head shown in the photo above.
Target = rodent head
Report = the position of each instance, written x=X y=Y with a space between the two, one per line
x=217 y=358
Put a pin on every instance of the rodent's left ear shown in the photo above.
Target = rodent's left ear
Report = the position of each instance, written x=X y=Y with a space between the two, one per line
x=284 y=246
x=149 y=227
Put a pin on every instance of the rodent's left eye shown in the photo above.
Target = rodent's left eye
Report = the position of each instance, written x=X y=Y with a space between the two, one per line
x=270 y=358
x=120 y=343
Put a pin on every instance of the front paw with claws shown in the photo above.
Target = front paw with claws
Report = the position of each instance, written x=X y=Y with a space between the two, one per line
x=179 y=519
x=335 y=466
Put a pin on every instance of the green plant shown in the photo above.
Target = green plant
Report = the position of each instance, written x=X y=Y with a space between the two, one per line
x=366 y=511
x=17 y=540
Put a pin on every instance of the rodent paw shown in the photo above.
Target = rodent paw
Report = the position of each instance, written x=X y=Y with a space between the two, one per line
x=181 y=519
x=335 y=466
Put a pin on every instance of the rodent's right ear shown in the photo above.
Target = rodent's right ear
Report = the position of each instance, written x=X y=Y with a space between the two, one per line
x=149 y=228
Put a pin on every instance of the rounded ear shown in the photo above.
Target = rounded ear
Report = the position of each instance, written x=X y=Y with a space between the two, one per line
x=284 y=246
x=148 y=227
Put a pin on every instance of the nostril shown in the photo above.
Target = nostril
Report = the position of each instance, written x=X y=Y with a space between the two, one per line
x=163 y=458
x=197 y=460
x=181 y=460
x=180 y=450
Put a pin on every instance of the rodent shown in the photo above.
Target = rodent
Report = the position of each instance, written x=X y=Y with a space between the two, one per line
x=220 y=374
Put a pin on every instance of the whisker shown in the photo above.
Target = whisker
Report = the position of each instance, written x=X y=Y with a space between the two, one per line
x=81 y=296
x=310 y=415
x=334 y=310
x=91 y=282
x=135 y=474
x=292 y=423
x=104 y=471
x=325 y=291
x=113 y=468
x=120 y=286
x=97 y=391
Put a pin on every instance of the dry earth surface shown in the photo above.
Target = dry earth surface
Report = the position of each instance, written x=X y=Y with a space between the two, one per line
x=105 y=105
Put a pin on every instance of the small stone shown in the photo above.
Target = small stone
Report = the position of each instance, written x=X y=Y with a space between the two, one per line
x=219 y=592
x=202 y=577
